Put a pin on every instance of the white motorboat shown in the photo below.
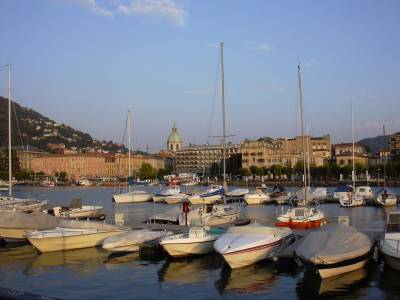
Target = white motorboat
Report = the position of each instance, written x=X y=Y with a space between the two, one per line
x=390 y=245
x=351 y=200
x=385 y=198
x=83 y=212
x=259 y=196
x=244 y=245
x=212 y=215
x=240 y=192
x=169 y=191
x=131 y=241
x=84 y=182
x=132 y=197
x=88 y=234
x=212 y=195
x=334 y=249
x=197 y=241
x=11 y=203
x=365 y=192
x=342 y=191
x=176 y=199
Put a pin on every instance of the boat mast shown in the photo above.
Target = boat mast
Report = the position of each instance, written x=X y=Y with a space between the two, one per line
x=308 y=156
x=129 y=146
x=302 y=134
x=223 y=116
x=9 y=133
x=353 y=175
x=385 y=162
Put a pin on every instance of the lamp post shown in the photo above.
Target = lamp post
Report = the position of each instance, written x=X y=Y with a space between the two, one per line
x=379 y=170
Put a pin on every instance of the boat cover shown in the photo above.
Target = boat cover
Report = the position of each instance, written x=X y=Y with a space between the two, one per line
x=132 y=237
x=21 y=220
x=332 y=244
x=257 y=229
x=278 y=188
x=344 y=188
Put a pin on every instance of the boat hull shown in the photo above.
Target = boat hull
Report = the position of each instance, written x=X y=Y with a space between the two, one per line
x=300 y=224
x=204 y=200
x=59 y=243
x=256 y=199
x=132 y=198
x=182 y=249
x=222 y=219
x=330 y=272
x=14 y=233
x=391 y=201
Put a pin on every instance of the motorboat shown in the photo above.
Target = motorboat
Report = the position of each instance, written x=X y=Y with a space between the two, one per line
x=10 y=203
x=75 y=210
x=176 y=199
x=212 y=195
x=259 y=196
x=385 y=198
x=196 y=242
x=365 y=192
x=300 y=197
x=169 y=191
x=131 y=241
x=15 y=224
x=241 y=246
x=78 y=235
x=342 y=191
x=132 y=197
x=48 y=183
x=279 y=194
x=390 y=245
x=161 y=218
x=334 y=250
x=238 y=193
x=212 y=215
x=351 y=200
x=320 y=194
x=301 y=218
x=84 y=182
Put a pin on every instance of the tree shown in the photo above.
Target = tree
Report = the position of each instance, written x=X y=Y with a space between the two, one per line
x=233 y=164
x=146 y=171
x=244 y=172
x=62 y=176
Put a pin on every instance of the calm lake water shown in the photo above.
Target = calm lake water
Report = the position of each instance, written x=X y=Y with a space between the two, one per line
x=93 y=273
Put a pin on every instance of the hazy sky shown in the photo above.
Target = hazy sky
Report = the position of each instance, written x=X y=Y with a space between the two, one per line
x=86 y=62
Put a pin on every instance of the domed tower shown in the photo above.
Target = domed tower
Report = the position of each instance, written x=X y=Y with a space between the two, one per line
x=175 y=141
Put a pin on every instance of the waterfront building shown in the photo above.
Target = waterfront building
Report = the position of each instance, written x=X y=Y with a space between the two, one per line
x=175 y=140
x=344 y=154
x=265 y=152
x=92 y=165
x=200 y=158
x=394 y=143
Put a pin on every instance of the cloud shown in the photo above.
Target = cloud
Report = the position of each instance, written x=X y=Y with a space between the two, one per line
x=310 y=62
x=264 y=47
x=167 y=9
x=92 y=6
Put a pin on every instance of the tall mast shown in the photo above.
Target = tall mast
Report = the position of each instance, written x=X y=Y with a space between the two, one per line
x=384 y=164
x=308 y=155
x=223 y=116
x=9 y=133
x=354 y=164
x=302 y=134
x=129 y=144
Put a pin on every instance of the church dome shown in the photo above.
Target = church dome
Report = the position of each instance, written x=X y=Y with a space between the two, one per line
x=175 y=137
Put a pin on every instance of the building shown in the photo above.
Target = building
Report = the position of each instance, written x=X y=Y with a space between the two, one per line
x=200 y=158
x=265 y=152
x=394 y=143
x=344 y=154
x=25 y=158
x=175 y=141
x=92 y=165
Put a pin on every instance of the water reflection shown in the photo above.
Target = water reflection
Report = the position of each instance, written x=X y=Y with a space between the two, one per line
x=16 y=258
x=345 y=284
x=258 y=278
x=189 y=270
x=81 y=260
x=388 y=280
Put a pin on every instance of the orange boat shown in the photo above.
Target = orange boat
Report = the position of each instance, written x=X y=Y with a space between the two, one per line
x=301 y=218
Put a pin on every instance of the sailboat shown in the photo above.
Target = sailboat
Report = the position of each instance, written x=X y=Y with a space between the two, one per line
x=9 y=202
x=135 y=195
x=302 y=217
x=385 y=197
x=352 y=198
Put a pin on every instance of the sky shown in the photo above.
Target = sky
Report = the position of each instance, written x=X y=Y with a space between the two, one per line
x=87 y=62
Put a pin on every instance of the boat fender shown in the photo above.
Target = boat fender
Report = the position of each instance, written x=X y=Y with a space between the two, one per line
x=375 y=254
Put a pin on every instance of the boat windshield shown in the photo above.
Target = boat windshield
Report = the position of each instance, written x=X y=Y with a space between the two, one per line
x=393 y=224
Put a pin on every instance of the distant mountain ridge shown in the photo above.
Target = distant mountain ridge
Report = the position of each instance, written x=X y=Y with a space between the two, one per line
x=48 y=135
x=375 y=144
